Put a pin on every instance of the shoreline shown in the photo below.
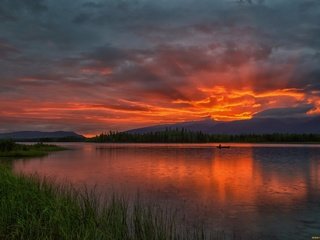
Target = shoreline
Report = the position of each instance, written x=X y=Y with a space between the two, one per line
x=10 y=149
x=23 y=142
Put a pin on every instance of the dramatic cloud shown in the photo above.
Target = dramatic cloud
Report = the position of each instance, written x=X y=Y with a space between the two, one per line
x=97 y=65
x=285 y=112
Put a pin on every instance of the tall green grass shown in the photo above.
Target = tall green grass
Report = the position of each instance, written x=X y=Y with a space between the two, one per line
x=36 y=209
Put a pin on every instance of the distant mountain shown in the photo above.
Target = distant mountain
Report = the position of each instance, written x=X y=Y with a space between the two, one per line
x=30 y=135
x=251 y=126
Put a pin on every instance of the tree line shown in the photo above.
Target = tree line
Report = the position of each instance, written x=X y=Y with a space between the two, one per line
x=186 y=136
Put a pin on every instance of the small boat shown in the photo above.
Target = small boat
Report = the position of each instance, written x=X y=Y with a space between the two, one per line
x=220 y=146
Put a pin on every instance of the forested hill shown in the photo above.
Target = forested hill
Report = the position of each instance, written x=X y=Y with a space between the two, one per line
x=185 y=136
x=310 y=125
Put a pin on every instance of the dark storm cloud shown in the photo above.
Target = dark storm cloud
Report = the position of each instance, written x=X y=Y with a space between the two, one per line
x=285 y=112
x=12 y=10
x=157 y=52
x=110 y=56
x=6 y=49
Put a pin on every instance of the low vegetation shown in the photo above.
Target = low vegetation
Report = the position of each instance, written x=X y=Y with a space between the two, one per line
x=37 y=209
x=9 y=148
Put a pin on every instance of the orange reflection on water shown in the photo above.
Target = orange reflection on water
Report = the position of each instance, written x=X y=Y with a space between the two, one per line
x=197 y=174
x=234 y=176
x=248 y=188
x=315 y=173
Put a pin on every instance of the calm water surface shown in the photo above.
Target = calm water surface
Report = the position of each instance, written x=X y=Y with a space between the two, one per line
x=268 y=189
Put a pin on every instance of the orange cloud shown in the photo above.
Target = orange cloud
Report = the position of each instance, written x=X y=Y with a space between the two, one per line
x=233 y=104
x=140 y=88
x=219 y=102
x=97 y=70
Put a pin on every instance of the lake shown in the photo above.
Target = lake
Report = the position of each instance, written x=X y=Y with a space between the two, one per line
x=259 y=189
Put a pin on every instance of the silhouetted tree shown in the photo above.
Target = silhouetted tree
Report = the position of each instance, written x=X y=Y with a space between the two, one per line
x=184 y=136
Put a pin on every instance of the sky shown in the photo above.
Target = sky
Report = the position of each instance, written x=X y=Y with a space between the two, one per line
x=98 y=65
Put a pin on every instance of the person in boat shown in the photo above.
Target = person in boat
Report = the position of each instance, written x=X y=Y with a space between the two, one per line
x=220 y=146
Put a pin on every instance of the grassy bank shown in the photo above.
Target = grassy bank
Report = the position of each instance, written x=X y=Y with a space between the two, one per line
x=11 y=149
x=35 y=209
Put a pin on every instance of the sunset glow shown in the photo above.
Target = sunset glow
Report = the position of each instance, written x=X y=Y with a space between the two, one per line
x=149 y=119
x=95 y=68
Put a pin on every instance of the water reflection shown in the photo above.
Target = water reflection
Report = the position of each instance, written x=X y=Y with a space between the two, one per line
x=250 y=188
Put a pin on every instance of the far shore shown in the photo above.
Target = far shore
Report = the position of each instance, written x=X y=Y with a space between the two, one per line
x=9 y=148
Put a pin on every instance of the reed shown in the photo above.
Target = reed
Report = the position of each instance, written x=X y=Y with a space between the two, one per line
x=34 y=208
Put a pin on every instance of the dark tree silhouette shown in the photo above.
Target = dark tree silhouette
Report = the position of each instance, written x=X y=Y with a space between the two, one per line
x=185 y=136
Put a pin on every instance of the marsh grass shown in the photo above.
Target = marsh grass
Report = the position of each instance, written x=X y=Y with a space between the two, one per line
x=38 y=209
x=9 y=148
x=34 y=208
